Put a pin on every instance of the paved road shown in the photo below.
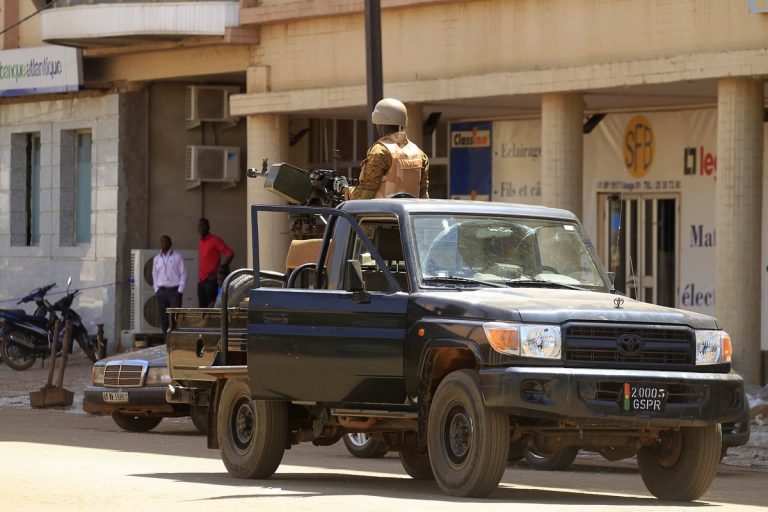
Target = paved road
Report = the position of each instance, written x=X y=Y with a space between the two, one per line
x=54 y=460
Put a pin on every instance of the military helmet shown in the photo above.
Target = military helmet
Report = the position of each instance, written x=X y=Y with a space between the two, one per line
x=390 y=111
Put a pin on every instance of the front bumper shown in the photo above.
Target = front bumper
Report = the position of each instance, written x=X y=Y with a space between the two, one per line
x=593 y=396
x=147 y=401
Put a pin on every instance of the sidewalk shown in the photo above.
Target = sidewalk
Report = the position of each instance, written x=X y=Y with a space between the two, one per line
x=15 y=387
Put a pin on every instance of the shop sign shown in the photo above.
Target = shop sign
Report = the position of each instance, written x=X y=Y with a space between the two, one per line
x=639 y=146
x=517 y=161
x=40 y=70
x=758 y=6
x=471 y=161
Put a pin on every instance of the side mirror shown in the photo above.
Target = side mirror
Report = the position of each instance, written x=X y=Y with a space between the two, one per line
x=353 y=282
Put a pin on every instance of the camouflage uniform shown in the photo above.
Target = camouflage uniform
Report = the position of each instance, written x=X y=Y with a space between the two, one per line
x=380 y=167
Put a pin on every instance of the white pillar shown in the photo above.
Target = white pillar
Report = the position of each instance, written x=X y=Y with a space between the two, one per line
x=415 y=128
x=738 y=203
x=562 y=142
x=267 y=138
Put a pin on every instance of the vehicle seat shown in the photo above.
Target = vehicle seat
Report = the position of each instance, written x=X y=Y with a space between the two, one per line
x=387 y=242
x=302 y=252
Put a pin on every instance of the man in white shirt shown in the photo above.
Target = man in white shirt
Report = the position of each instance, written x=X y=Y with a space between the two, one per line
x=169 y=275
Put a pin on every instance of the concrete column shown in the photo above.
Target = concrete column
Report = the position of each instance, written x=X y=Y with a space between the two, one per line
x=562 y=143
x=415 y=128
x=738 y=203
x=267 y=138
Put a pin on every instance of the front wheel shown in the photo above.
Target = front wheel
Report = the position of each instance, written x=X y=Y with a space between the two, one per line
x=135 y=423
x=681 y=465
x=468 y=443
x=252 y=434
x=16 y=357
x=89 y=347
x=416 y=464
x=364 y=446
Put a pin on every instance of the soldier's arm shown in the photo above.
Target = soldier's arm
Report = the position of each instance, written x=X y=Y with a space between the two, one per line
x=376 y=164
x=424 y=183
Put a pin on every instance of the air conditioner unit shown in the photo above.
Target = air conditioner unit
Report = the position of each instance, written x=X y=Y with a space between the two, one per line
x=209 y=103
x=213 y=163
x=145 y=318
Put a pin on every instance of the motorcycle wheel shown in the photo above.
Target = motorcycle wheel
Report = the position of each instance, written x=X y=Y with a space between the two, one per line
x=90 y=349
x=16 y=358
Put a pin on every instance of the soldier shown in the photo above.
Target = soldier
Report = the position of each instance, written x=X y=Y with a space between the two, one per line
x=393 y=164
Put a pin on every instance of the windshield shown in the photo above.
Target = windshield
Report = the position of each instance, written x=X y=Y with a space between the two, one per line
x=506 y=251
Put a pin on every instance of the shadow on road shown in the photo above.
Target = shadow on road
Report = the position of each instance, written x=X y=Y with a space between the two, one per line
x=329 y=484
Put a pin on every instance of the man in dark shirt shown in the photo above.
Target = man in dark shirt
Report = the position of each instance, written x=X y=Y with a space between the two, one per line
x=210 y=250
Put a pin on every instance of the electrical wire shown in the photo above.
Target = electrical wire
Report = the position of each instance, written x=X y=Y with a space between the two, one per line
x=6 y=29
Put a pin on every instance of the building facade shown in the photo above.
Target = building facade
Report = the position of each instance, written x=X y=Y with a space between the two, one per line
x=645 y=118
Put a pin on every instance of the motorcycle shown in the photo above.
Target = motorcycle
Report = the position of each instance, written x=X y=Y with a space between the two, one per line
x=37 y=296
x=24 y=338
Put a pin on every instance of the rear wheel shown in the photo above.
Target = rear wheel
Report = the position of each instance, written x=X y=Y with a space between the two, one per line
x=468 y=443
x=557 y=461
x=252 y=434
x=135 y=423
x=682 y=464
x=16 y=357
x=364 y=446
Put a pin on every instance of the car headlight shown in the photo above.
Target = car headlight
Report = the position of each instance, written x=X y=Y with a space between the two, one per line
x=527 y=340
x=97 y=375
x=713 y=347
x=158 y=377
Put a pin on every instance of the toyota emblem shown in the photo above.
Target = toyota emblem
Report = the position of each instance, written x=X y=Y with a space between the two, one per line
x=629 y=344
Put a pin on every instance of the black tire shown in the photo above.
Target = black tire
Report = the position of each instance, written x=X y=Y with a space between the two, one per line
x=135 y=423
x=15 y=357
x=416 y=464
x=468 y=443
x=90 y=349
x=683 y=464
x=364 y=446
x=558 y=461
x=199 y=415
x=252 y=434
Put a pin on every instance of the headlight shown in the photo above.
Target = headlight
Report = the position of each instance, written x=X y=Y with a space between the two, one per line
x=158 y=377
x=713 y=347
x=527 y=340
x=97 y=376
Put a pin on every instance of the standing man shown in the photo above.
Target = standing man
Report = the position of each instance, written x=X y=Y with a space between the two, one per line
x=169 y=275
x=393 y=164
x=210 y=250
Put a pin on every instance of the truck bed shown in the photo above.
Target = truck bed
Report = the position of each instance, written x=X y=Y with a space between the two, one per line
x=193 y=341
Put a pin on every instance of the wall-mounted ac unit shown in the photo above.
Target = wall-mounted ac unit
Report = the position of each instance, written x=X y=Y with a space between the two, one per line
x=145 y=318
x=209 y=103
x=213 y=163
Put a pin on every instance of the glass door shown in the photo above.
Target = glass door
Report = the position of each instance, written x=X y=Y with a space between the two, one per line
x=638 y=242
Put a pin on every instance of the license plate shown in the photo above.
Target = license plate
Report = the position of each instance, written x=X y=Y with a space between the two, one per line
x=115 y=397
x=644 y=398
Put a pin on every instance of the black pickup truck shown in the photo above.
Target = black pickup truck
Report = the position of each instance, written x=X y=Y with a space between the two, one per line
x=456 y=333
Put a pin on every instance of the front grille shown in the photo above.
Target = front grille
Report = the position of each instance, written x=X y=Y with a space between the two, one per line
x=124 y=375
x=598 y=345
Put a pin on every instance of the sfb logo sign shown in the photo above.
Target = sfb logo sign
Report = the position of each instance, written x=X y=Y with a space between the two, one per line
x=639 y=146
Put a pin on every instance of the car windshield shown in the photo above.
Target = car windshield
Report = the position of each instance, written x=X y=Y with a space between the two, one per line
x=472 y=251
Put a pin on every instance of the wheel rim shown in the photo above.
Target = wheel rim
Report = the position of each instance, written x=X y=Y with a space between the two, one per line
x=359 y=439
x=242 y=426
x=458 y=434
x=669 y=450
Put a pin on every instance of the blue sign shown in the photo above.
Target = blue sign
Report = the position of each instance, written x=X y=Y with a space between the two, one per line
x=471 y=161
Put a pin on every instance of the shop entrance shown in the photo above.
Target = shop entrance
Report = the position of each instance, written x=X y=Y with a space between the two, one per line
x=637 y=240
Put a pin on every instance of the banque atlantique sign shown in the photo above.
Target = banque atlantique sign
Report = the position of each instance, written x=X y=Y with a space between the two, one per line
x=40 y=70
